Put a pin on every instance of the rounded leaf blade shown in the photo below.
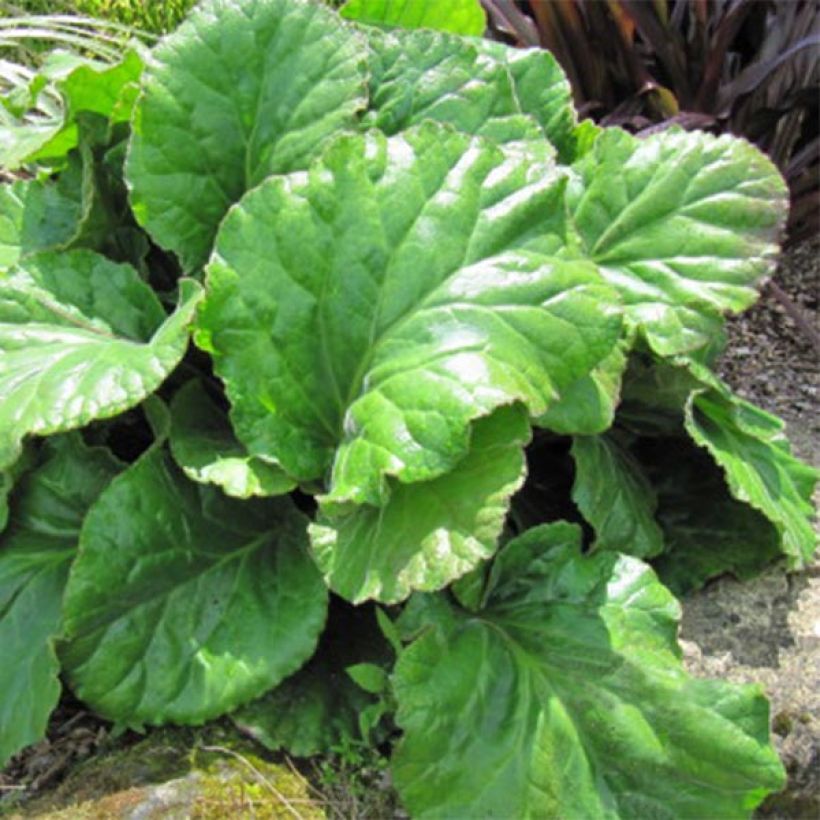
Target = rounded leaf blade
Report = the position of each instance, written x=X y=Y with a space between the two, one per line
x=364 y=315
x=240 y=91
x=217 y=600
x=566 y=696
x=81 y=338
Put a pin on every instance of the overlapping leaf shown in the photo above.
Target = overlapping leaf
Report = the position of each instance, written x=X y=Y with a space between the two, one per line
x=404 y=288
x=217 y=600
x=615 y=497
x=363 y=317
x=35 y=555
x=40 y=215
x=204 y=445
x=421 y=75
x=432 y=532
x=750 y=445
x=81 y=338
x=679 y=396
x=86 y=86
x=706 y=532
x=475 y=86
x=587 y=406
x=565 y=696
x=240 y=91
x=542 y=92
x=683 y=224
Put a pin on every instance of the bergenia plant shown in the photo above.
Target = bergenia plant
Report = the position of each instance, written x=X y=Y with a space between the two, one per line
x=308 y=326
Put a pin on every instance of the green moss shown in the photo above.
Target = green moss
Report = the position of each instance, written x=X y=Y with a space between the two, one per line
x=214 y=773
x=240 y=784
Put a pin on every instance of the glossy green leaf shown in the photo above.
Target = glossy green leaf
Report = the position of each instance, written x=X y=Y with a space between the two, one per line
x=587 y=406
x=566 y=697
x=615 y=497
x=431 y=532
x=216 y=600
x=456 y=16
x=108 y=91
x=318 y=708
x=310 y=713
x=203 y=444
x=750 y=445
x=683 y=224
x=706 y=532
x=81 y=338
x=542 y=91
x=240 y=91
x=35 y=555
x=427 y=75
x=380 y=304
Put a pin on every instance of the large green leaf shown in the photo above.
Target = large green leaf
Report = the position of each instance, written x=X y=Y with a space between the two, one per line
x=81 y=338
x=475 y=86
x=750 y=445
x=456 y=16
x=421 y=75
x=240 y=91
x=566 y=697
x=615 y=497
x=430 y=532
x=683 y=224
x=706 y=532
x=216 y=600
x=35 y=554
x=381 y=303
x=204 y=445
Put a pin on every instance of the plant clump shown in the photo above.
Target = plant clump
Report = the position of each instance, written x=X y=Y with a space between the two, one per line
x=350 y=387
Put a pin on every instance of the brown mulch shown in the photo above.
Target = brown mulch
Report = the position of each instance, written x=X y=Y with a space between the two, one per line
x=74 y=734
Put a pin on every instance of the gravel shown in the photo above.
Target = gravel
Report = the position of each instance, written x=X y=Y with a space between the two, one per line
x=769 y=361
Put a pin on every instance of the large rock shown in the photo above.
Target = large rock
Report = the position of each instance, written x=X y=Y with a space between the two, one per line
x=768 y=630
